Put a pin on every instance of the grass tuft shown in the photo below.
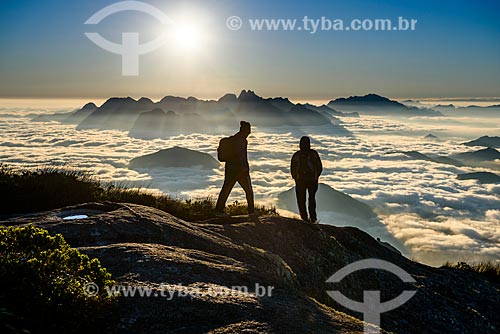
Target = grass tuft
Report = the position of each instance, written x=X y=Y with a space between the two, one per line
x=490 y=270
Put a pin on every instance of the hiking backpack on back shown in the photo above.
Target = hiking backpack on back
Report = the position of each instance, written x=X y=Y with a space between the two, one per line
x=225 y=151
x=306 y=167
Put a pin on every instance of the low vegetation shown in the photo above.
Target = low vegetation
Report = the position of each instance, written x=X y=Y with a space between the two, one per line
x=44 y=283
x=490 y=270
x=45 y=189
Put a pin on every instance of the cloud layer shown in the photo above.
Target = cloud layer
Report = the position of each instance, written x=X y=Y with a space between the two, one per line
x=433 y=216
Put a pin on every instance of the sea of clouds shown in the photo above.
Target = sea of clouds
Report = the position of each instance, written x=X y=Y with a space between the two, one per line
x=423 y=209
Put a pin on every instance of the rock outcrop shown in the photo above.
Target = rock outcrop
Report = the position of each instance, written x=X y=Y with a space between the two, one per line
x=146 y=247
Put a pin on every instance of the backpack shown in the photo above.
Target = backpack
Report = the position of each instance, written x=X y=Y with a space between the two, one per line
x=306 y=167
x=225 y=151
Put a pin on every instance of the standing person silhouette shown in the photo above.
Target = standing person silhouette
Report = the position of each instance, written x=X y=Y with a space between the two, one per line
x=306 y=168
x=237 y=168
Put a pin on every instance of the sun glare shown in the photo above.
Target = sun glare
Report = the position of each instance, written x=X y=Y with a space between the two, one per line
x=187 y=37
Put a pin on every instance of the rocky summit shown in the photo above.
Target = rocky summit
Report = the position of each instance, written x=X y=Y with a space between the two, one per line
x=289 y=259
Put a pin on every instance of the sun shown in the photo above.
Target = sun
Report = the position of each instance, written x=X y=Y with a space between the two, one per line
x=187 y=37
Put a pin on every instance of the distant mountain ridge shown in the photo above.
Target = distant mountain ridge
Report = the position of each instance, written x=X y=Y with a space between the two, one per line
x=486 y=158
x=172 y=115
x=436 y=159
x=333 y=112
x=485 y=141
x=432 y=137
x=487 y=154
x=116 y=113
x=144 y=118
x=481 y=177
x=373 y=104
x=472 y=110
x=451 y=109
x=174 y=157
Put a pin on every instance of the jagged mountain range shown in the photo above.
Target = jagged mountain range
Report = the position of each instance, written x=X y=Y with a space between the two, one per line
x=144 y=118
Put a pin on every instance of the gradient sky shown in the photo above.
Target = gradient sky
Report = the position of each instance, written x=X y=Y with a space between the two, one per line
x=455 y=51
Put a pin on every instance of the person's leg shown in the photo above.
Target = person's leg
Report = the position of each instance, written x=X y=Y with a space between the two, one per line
x=312 y=189
x=246 y=183
x=229 y=182
x=300 y=192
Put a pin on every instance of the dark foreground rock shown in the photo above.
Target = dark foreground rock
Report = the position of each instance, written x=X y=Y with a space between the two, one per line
x=145 y=247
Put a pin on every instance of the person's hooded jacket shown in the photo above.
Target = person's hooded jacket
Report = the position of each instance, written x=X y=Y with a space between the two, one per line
x=306 y=164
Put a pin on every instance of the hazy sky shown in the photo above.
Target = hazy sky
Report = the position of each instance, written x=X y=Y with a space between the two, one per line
x=454 y=52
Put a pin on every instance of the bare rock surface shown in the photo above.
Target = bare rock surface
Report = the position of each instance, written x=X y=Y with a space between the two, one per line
x=202 y=262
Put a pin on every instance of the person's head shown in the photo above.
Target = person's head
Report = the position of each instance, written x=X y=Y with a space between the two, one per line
x=245 y=128
x=305 y=143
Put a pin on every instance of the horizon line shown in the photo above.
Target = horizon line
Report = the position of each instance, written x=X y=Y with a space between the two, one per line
x=295 y=100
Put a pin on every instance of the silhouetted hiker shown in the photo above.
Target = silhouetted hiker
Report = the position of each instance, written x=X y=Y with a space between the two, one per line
x=306 y=168
x=233 y=151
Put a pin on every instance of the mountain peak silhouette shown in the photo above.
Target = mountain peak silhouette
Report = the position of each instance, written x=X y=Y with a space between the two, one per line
x=89 y=106
x=229 y=97
x=485 y=141
x=369 y=98
x=248 y=96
